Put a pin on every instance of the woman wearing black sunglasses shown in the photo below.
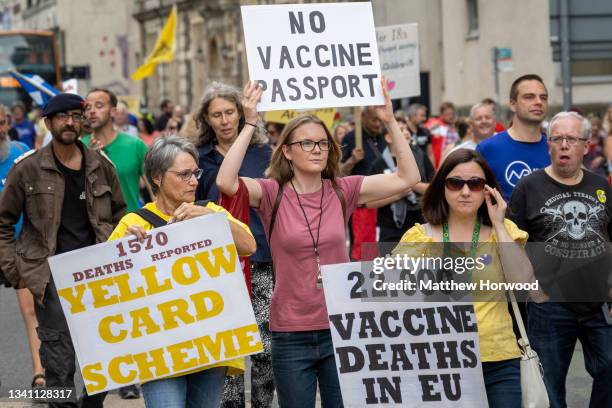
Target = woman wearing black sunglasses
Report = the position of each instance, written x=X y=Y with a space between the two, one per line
x=463 y=204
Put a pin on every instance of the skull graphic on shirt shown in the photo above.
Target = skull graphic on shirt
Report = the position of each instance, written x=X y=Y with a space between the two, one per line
x=575 y=215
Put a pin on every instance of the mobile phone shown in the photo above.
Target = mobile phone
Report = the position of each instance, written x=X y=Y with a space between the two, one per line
x=605 y=308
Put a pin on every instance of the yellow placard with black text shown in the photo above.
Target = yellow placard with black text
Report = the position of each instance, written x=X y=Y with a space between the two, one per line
x=139 y=311
x=284 y=116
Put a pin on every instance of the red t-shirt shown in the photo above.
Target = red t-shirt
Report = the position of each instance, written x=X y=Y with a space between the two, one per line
x=297 y=303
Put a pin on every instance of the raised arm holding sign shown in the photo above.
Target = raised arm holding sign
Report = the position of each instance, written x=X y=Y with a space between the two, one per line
x=304 y=205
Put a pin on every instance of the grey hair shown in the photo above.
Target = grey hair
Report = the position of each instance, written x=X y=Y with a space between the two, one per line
x=231 y=94
x=414 y=108
x=481 y=105
x=585 y=125
x=161 y=155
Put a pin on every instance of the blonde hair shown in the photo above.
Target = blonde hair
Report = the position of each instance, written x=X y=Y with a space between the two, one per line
x=280 y=168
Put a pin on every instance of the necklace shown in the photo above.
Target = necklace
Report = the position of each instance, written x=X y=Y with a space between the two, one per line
x=473 y=245
x=315 y=244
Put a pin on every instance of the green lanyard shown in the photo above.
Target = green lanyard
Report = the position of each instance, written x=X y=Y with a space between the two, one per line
x=473 y=247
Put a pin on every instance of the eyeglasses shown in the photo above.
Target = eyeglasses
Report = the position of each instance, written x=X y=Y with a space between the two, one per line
x=186 y=175
x=309 y=145
x=571 y=140
x=76 y=117
x=456 y=183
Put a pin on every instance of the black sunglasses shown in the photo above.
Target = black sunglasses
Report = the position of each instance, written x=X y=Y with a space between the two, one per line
x=456 y=183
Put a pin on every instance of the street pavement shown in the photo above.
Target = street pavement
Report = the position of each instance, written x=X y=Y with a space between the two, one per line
x=16 y=369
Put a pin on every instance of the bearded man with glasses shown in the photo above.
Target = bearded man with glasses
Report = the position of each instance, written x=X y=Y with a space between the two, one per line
x=70 y=198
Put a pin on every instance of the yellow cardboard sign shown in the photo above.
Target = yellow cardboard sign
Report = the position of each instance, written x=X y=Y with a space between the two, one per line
x=284 y=116
x=174 y=303
x=132 y=102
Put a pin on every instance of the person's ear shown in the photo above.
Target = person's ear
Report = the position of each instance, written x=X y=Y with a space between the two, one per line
x=513 y=105
x=587 y=144
x=157 y=180
x=287 y=152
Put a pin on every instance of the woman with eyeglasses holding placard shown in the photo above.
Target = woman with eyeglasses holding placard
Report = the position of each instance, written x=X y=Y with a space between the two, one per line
x=463 y=205
x=304 y=206
x=171 y=168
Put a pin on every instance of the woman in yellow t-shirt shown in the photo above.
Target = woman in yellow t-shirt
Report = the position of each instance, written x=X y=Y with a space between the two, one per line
x=171 y=167
x=463 y=204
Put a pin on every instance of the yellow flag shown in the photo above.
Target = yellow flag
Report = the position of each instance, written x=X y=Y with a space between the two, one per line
x=163 y=51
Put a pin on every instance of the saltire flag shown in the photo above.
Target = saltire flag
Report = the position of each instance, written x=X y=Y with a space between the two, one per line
x=38 y=89
x=163 y=51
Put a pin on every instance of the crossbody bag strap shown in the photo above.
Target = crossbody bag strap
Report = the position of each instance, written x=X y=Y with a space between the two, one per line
x=524 y=340
x=149 y=216
x=340 y=195
x=155 y=220
x=279 y=196
x=374 y=148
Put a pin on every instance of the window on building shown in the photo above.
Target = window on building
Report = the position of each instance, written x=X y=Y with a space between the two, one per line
x=591 y=68
x=472 y=15
x=214 y=60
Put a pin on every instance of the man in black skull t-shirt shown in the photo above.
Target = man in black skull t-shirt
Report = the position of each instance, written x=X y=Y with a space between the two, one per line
x=567 y=212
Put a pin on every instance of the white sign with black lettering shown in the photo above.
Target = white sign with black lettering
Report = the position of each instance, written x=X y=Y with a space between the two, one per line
x=310 y=56
x=401 y=353
x=398 y=49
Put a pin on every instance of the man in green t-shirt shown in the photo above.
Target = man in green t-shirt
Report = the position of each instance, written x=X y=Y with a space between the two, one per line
x=125 y=151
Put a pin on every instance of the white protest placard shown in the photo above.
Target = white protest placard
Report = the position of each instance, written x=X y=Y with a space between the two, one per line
x=309 y=56
x=70 y=86
x=401 y=353
x=398 y=49
x=142 y=311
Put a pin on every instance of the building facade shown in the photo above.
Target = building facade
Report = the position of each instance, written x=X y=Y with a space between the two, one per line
x=457 y=38
x=98 y=37
x=456 y=42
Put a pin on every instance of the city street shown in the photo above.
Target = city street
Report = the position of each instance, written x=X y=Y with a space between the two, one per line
x=199 y=181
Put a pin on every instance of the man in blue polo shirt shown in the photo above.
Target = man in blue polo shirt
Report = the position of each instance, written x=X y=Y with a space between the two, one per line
x=522 y=149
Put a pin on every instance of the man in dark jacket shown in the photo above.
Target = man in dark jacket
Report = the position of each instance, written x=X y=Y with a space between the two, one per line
x=70 y=198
